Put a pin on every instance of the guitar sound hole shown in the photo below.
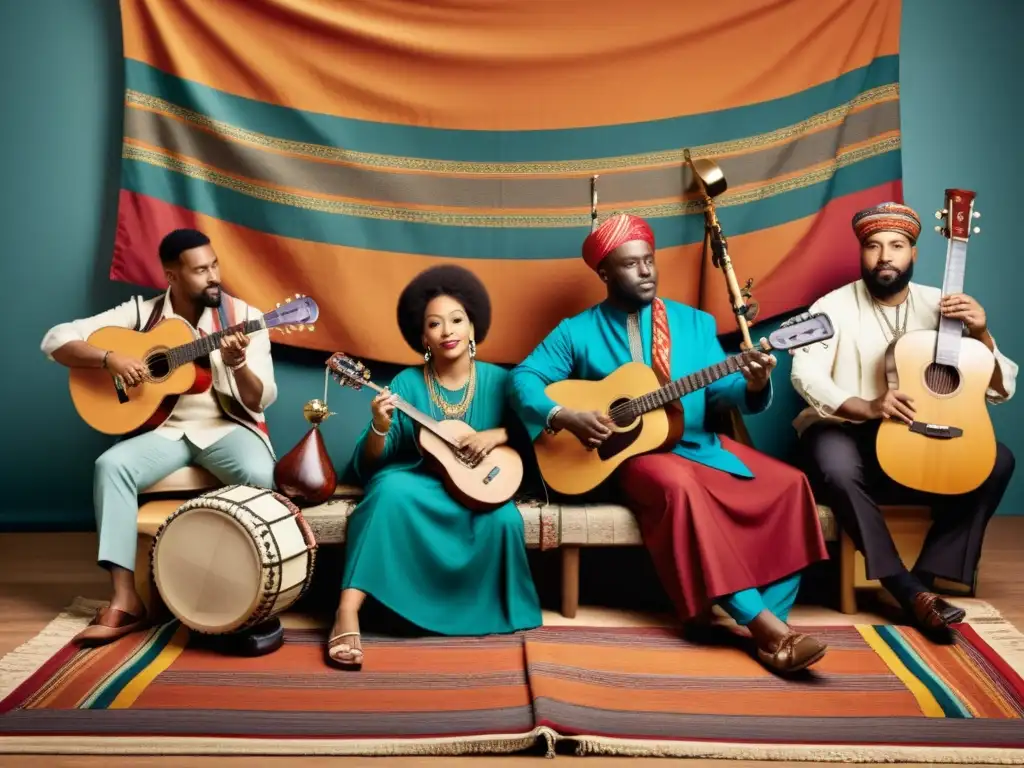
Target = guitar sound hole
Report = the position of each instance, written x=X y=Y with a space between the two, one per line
x=622 y=419
x=158 y=364
x=942 y=379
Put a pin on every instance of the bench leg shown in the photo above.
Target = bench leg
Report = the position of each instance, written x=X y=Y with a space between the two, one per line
x=847 y=559
x=570 y=581
x=144 y=585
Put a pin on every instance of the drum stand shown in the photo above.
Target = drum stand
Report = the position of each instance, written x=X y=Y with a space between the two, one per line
x=255 y=641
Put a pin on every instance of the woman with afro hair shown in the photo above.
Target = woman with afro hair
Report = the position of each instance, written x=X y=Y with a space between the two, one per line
x=410 y=545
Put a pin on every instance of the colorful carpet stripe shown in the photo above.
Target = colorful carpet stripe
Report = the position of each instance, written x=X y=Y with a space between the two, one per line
x=874 y=687
x=611 y=690
x=338 y=149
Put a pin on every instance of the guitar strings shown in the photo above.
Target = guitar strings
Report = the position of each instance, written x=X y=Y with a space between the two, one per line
x=628 y=408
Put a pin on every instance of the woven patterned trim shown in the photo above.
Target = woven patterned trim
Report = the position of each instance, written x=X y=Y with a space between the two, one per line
x=607 y=525
x=329 y=521
x=827 y=521
x=546 y=526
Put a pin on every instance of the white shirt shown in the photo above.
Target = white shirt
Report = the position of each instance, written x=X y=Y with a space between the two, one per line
x=196 y=417
x=852 y=364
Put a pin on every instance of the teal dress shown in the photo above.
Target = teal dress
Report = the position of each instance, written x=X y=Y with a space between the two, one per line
x=422 y=554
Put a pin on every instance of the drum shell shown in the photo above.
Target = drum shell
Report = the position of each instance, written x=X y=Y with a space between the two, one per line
x=232 y=558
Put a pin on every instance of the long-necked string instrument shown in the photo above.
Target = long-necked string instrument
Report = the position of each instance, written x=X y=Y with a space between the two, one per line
x=709 y=182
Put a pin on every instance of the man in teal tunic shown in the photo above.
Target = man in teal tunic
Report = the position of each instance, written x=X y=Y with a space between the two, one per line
x=723 y=523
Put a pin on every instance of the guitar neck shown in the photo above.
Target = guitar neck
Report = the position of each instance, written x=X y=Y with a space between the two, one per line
x=682 y=387
x=204 y=345
x=951 y=331
x=414 y=413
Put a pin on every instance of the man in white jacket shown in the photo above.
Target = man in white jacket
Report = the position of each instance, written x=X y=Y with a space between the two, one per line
x=218 y=424
x=845 y=386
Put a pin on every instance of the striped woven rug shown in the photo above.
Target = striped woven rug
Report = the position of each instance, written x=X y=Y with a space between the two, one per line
x=883 y=693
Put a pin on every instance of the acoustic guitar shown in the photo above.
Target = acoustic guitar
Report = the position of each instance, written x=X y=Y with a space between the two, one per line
x=168 y=350
x=481 y=485
x=637 y=403
x=951 y=446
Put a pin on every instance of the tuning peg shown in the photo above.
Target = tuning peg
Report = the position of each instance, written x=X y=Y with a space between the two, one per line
x=977 y=230
x=300 y=327
x=977 y=214
x=278 y=305
x=938 y=228
x=311 y=328
x=288 y=300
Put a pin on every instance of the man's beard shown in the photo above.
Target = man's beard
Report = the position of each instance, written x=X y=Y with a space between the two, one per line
x=207 y=299
x=883 y=289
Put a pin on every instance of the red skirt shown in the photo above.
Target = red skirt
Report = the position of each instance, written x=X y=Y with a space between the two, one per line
x=711 y=534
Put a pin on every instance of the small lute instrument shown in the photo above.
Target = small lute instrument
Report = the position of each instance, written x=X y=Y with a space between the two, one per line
x=481 y=485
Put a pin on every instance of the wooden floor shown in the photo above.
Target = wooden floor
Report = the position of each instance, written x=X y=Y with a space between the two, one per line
x=41 y=573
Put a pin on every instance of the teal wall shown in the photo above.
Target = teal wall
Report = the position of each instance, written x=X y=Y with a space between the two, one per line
x=59 y=150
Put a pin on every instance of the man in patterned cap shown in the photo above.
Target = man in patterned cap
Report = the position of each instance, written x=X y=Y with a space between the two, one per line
x=712 y=510
x=845 y=386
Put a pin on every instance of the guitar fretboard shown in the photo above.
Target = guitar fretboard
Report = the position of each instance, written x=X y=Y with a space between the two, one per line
x=204 y=345
x=951 y=331
x=681 y=387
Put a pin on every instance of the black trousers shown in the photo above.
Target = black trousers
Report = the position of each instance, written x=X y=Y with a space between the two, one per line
x=839 y=460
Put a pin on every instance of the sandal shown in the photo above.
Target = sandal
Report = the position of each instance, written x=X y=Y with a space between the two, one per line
x=110 y=624
x=354 y=650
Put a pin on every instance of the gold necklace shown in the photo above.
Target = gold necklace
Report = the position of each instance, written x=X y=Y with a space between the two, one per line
x=450 y=410
x=894 y=331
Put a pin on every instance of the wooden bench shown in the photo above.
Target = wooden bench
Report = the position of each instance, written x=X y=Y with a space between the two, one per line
x=566 y=527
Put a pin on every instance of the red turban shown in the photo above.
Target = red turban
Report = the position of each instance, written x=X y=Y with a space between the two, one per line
x=613 y=232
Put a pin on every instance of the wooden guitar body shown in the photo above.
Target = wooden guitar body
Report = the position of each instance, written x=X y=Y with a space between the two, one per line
x=930 y=458
x=486 y=486
x=567 y=466
x=93 y=391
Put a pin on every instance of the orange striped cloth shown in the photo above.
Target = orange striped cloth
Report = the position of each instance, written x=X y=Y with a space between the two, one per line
x=338 y=149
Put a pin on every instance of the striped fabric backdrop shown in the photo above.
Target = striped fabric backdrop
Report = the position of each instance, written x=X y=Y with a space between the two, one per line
x=337 y=149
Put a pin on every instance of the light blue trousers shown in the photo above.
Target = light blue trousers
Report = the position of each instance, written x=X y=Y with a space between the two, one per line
x=778 y=597
x=133 y=464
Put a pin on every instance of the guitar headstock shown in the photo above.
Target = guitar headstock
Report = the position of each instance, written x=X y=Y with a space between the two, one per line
x=800 y=331
x=348 y=372
x=958 y=213
x=295 y=314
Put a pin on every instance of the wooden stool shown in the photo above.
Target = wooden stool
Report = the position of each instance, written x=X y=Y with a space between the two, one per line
x=156 y=504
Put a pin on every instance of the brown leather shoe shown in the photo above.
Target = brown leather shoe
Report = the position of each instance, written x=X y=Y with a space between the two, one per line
x=934 y=614
x=794 y=653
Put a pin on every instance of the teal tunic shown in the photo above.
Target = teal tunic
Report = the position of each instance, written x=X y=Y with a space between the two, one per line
x=422 y=554
x=594 y=343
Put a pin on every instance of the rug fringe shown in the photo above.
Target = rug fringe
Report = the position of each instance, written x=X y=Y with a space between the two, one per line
x=826 y=753
x=136 y=745
x=19 y=665
x=1004 y=638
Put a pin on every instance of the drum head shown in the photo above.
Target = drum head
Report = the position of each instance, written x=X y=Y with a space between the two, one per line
x=207 y=570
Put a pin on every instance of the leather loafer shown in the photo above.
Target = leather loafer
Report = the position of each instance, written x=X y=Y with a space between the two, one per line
x=934 y=614
x=794 y=653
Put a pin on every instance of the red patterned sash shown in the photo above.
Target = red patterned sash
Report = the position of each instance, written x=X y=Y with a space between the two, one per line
x=661 y=342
